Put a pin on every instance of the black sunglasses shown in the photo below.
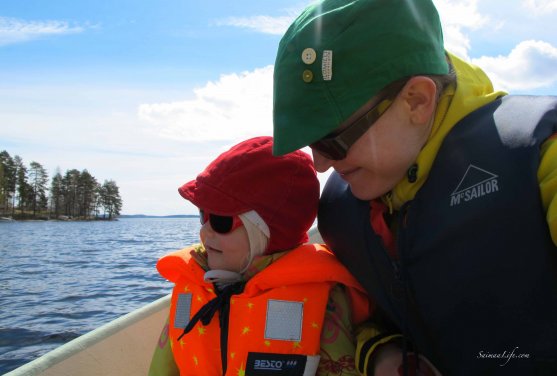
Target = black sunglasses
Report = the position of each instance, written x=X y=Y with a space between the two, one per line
x=222 y=224
x=335 y=146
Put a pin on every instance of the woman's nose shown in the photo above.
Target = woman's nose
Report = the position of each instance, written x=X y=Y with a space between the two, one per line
x=320 y=162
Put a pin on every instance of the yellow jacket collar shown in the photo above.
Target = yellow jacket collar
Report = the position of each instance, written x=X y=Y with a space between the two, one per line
x=473 y=90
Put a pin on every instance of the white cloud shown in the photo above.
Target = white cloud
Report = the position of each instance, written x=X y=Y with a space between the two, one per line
x=235 y=107
x=462 y=13
x=13 y=30
x=275 y=25
x=540 y=6
x=456 y=17
x=262 y=24
x=531 y=64
x=456 y=41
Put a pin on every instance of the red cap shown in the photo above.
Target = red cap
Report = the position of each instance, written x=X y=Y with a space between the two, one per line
x=283 y=190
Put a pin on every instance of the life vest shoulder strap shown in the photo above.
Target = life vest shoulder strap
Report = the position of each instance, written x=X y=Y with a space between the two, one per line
x=312 y=263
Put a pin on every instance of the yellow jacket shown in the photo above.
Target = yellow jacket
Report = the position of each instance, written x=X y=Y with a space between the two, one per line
x=472 y=91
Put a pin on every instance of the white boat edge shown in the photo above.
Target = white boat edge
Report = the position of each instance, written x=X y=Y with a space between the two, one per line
x=111 y=349
x=121 y=347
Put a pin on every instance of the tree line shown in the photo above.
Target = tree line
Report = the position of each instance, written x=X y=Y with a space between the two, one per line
x=25 y=193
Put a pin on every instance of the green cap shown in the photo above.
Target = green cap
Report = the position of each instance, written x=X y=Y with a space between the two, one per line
x=338 y=54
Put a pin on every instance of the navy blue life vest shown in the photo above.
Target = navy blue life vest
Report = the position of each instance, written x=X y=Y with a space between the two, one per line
x=475 y=285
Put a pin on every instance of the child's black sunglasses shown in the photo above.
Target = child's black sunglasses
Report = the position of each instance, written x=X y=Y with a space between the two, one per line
x=222 y=224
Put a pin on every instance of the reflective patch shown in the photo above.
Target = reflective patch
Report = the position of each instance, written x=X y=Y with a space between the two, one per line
x=183 y=308
x=284 y=320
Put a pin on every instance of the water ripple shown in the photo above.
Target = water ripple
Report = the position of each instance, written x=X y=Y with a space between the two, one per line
x=59 y=280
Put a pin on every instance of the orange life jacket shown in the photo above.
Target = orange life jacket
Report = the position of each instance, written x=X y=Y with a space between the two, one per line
x=274 y=324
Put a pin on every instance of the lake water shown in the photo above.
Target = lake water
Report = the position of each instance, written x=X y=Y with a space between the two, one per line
x=59 y=280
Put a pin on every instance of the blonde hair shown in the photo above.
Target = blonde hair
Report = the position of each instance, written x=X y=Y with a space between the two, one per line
x=258 y=235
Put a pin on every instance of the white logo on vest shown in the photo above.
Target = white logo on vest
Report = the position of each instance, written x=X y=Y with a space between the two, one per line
x=475 y=183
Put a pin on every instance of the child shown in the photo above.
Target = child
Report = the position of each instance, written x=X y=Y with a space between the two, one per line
x=252 y=298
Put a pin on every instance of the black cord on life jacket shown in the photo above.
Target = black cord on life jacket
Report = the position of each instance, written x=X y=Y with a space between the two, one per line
x=205 y=314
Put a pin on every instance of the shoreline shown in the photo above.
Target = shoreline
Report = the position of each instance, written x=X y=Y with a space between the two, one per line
x=69 y=219
x=9 y=219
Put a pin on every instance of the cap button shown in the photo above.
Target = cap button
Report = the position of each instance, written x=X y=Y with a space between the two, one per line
x=309 y=55
x=307 y=76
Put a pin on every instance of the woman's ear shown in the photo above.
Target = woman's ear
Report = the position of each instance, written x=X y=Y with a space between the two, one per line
x=420 y=99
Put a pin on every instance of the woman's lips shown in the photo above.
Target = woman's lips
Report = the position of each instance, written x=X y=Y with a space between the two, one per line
x=346 y=174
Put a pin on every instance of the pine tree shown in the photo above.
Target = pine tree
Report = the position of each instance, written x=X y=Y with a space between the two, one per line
x=70 y=191
x=110 y=198
x=8 y=182
x=23 y=188
x=2 y=193
x=38 y=178
x=88 y=190
x=57 y=194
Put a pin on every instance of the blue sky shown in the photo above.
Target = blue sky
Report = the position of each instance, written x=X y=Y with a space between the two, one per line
x=147 y=93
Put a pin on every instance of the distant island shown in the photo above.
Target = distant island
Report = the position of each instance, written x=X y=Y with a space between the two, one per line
x=63 y=218
x=158 y=216
x=77 y=195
